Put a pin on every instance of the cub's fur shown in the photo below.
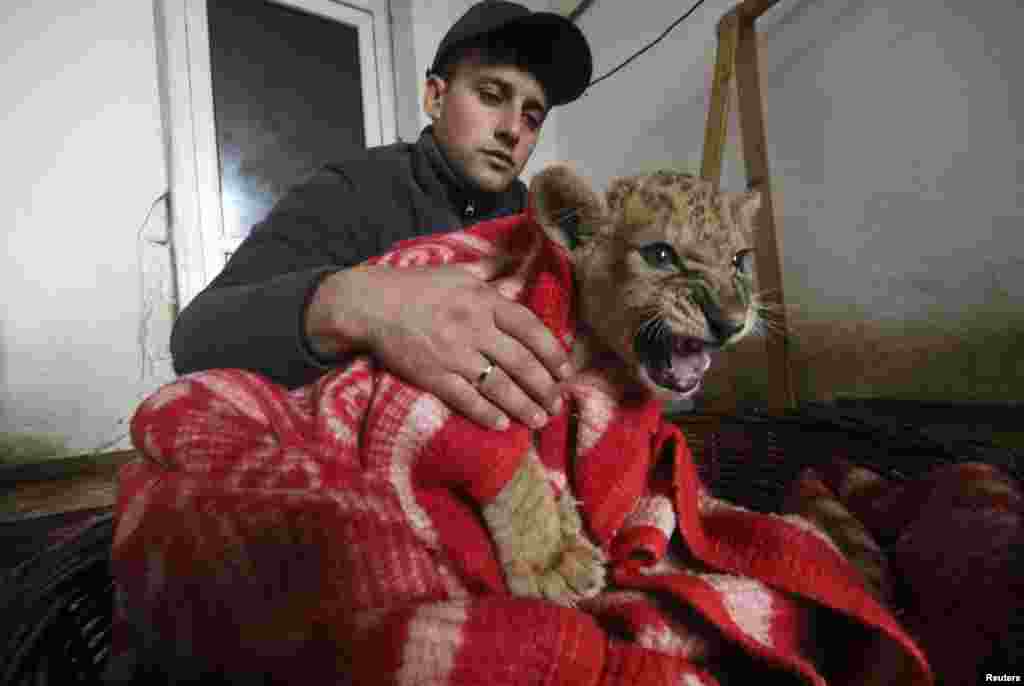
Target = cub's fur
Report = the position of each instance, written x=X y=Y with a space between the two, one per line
x=663 y=266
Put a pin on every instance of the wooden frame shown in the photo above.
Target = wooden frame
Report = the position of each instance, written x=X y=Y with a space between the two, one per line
x=737 y=57
x=197 y=225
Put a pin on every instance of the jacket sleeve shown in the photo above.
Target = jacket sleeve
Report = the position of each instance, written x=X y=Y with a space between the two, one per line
x=251 y=315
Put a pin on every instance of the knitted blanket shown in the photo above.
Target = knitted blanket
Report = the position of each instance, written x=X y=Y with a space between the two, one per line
x=332 y=534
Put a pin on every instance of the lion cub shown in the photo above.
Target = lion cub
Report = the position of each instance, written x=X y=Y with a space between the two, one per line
x=663 y=266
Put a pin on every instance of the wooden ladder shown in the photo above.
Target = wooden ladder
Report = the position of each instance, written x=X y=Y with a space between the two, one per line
x=737 y=57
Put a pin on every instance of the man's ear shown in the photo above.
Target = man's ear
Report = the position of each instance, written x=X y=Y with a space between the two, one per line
x=433 y=96
x=565 y=206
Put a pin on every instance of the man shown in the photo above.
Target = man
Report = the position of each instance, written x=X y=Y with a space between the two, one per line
x=291 y=301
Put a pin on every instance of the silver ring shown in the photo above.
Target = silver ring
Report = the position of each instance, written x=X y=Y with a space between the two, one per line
x=483 y=375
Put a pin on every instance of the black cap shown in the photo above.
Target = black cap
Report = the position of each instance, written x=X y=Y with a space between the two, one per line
x=555 y=49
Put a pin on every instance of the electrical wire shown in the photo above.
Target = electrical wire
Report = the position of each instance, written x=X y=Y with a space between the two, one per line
x=650 y=45
x=146 y=307
x=579 y=9
x=147 y=361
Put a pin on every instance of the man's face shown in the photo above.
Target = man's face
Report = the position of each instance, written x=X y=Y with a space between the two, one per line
x=487 y=120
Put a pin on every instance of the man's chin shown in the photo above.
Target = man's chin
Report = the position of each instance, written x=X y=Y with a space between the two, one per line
x=494 y=185
x=493 y=180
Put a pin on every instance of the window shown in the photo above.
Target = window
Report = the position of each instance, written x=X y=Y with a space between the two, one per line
x=257 y=95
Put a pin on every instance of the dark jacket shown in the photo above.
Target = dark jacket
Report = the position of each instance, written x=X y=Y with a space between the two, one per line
x=251 y=316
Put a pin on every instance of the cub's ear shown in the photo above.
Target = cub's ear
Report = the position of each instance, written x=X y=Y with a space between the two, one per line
x=745 y=207
x=565 y=205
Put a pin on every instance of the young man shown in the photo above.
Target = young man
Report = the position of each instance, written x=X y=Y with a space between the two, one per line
x=291 y=301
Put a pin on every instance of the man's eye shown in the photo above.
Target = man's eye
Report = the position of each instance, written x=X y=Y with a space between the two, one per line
x=743 y=262
x=490 y=97
x=660 y=256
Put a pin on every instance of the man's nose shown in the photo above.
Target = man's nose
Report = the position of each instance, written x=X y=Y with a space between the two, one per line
x=509 y=127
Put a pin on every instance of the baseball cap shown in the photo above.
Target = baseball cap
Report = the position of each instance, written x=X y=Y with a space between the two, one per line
x=555 y=50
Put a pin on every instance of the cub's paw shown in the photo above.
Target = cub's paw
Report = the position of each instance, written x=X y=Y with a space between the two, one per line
x=540 y=541
x=582 y=563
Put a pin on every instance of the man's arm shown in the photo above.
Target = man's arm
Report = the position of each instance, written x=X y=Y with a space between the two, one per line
x=250 y=316
x=289 y=302
x=437 y=328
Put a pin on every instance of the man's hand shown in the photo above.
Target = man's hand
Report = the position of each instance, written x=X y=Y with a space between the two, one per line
x=439 y=328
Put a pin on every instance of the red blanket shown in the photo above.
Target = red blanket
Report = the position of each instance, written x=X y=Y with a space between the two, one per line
x=333 y=533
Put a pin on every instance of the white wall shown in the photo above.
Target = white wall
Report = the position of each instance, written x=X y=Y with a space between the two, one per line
x=895 y=144
x=83 y=162
x=652 y=112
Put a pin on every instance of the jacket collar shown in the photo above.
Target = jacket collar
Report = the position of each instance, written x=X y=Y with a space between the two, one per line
x=468 y=203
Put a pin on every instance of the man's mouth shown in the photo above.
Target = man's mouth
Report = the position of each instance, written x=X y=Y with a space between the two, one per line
x=675 y=363
x=500 y=157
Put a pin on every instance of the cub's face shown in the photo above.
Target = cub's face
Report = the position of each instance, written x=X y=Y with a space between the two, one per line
x=664 y=268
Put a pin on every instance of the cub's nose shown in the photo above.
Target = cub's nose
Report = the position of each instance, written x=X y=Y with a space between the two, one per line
x=724 y=324
x=723 y=329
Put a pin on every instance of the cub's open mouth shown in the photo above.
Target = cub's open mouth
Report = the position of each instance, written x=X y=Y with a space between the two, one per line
x=675 y=363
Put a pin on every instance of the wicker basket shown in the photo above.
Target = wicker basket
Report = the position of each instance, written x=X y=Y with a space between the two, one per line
x=57 y=605
x=56 y=610
x=750 y=458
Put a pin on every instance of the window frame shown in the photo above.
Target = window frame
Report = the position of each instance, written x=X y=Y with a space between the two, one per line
x=197 y=234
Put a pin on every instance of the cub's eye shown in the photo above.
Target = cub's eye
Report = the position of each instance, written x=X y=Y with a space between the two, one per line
x=660 y=255
x=743 y=262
